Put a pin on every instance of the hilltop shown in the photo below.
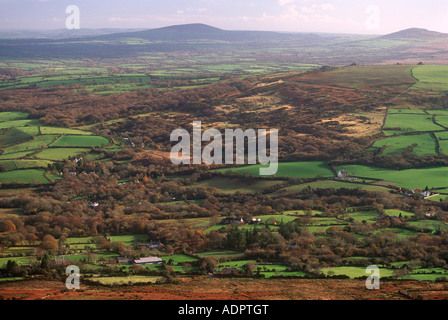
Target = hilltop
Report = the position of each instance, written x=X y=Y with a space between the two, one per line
x=416 y=34
x=199 y=31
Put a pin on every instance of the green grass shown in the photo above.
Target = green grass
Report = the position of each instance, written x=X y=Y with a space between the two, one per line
x=442 y=197
x=308 y=169
x=12 y=115
x=430 y=224
x=18 y=260
x=434 y=177
x=15 y=155
x=179 y=258
x=406 y=111
x=59 y=131
x=233 y=185
x=368 y=216
x=219 y=253
x=330 y=184
x=424 y=144
x=130 y=239
x=399 y=232
x=431 y=78
x=410 y=123
x=80 y=141
x=396 y=212
x=355 y=272
x=24 y=164
x=31 y=130
x=301 y=212
x=80 y=240
x=442 y=120
x=13 y=136
x=33 y=145
x=18 y=123
x=59 y=154
x=24 y=176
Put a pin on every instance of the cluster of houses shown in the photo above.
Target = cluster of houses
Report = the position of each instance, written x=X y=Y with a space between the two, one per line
x=240 y=221
x=143 y=261
x=425 y=193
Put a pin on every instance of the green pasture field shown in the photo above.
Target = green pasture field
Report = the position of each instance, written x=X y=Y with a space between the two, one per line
x=82 y=240
x=31 y=130
x=268 y=270
x=438 y=112
x=367 y=76
x=330 y=184
x=15 y=155
x=430 y=224
x=59 y=154
x=442 y=120
x=431 y=78
x=425 y=144
x=179 y=258
x=18 y=123
x=443 y=147
x=24 y=176
x=24 y=164
x=80 y=141
x=59 y=131
x=439 y=198
x=410 y=123
x=321 y=229
x=233 y=185
x=433 y=177
x=355 y=272
x=326 y=221
x=12 y=115
x=220 y=254
x=400 y=233
x=13 y=136
x=367 y=216
x=18 y=260
x=396 y=212
x=277 y=218
x=33 y=145
x=442 y=135
x=406 y=111
x=306 y=169
x=132 y=239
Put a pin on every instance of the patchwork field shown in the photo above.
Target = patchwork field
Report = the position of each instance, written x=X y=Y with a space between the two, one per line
x=423 y=144
x=331 y=184
x=80 y=141
x=27 y=145
x=33 y=176
x=290 y=169
x=435 y=177
x=403 y=123
x=232 y=185
x=431 y=78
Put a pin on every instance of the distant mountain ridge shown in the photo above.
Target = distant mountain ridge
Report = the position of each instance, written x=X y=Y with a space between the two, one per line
x=199 y=31
x=416 y=34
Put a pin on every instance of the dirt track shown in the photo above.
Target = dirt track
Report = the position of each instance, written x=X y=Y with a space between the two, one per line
x=227 y=289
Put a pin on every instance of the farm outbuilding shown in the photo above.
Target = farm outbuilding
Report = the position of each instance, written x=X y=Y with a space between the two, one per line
x=149 y=260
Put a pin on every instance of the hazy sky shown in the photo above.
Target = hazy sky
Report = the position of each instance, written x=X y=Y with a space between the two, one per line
x=347 y=16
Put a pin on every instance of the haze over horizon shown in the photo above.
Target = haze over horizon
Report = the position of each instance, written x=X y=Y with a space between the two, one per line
x=339 y=16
